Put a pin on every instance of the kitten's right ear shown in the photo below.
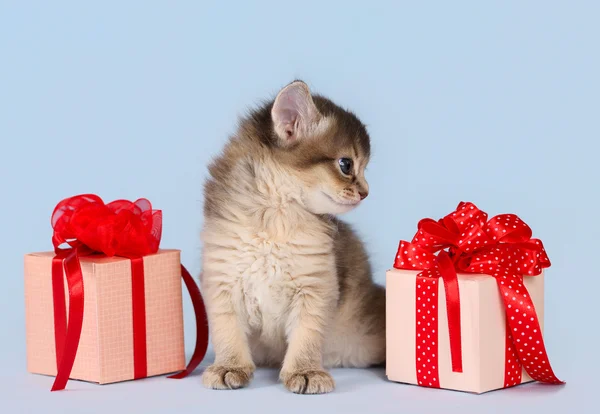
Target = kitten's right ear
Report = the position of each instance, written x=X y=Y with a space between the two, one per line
x=294 y=113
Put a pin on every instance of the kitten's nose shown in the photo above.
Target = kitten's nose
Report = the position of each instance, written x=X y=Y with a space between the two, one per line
x=363 y=194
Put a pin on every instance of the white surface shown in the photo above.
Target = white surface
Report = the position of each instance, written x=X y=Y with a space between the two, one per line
x=357 y=391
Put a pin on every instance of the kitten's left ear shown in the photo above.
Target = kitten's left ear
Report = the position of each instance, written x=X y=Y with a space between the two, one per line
x=294 y=113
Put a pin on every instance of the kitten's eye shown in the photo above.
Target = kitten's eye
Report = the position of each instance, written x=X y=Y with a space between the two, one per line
x=345 y=165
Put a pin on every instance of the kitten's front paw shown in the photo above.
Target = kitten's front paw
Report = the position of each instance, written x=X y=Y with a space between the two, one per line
x=308 y=382
x=220 y=377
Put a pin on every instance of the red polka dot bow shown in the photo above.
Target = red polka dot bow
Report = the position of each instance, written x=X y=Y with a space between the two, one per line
x=465 y=241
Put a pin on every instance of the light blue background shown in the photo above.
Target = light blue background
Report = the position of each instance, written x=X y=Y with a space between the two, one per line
x=491 y=102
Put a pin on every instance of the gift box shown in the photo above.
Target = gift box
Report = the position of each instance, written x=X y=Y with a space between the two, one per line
x=106 y=346
x=108 y=307
x=465 y=302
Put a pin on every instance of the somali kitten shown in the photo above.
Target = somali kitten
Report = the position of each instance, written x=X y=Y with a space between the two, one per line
x=286 y=283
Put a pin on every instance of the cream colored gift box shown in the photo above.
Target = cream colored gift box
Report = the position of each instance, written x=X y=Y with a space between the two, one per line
x=105 y=352
x=483 y=329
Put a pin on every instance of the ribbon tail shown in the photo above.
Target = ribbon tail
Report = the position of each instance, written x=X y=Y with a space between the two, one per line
x=448 y=272
x=525 y=329
x=201 y=325
x=512 y=367
x=75 y=320
x=60 y=308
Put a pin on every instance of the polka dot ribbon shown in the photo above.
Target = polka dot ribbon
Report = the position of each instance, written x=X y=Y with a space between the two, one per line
x=466 y=241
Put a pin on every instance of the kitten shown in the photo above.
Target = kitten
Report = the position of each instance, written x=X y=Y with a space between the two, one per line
x=285 y=282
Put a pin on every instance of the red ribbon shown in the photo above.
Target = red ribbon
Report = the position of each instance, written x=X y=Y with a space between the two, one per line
x=465 y=241
x=120 y=228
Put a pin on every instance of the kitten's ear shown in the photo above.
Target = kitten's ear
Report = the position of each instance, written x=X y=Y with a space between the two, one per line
x=294 y=113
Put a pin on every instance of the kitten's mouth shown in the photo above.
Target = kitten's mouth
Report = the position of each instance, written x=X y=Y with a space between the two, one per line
x=341 y=202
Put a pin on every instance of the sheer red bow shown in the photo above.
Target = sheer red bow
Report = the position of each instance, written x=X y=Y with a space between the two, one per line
x=119 y=228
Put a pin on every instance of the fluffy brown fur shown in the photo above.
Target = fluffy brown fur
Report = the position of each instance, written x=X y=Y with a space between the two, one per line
x=287 y=283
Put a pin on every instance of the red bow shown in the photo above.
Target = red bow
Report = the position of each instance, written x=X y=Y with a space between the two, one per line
x=120 y=228
x=465 y=241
